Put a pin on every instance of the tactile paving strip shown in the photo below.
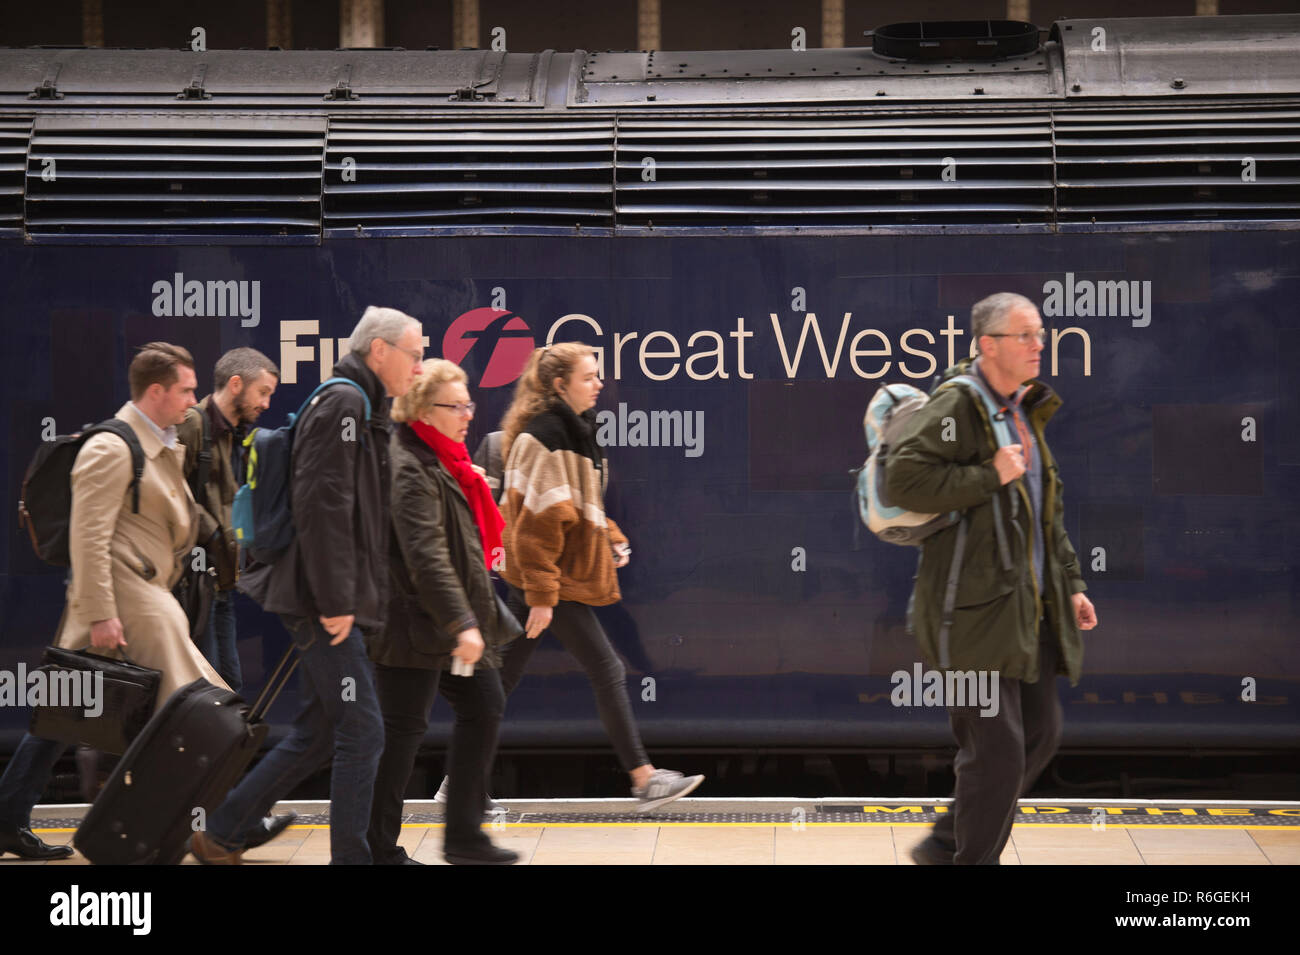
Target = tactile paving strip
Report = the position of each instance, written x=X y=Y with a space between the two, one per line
x=814 y=815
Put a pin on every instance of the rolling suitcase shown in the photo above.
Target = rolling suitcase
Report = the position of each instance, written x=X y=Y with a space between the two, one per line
x=179 y=769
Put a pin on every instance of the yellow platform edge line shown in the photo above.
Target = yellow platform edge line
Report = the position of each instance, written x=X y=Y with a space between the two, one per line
x=783 y=825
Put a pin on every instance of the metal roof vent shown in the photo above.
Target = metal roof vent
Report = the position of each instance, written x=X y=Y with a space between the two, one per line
x=148 y=175
x=955 y=40
x=14 y=134
x=949 y=168
x=1232 y=162
x=468 y=172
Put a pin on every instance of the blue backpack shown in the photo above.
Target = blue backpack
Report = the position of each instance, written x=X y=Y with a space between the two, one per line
x=262 y=514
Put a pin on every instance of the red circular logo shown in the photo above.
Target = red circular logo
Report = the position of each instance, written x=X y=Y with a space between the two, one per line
x=493 y=340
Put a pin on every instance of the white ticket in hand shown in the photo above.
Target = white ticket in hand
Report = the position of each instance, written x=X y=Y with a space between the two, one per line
x=460 y=668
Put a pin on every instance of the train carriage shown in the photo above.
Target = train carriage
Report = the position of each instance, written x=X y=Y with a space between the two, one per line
x=755 y=241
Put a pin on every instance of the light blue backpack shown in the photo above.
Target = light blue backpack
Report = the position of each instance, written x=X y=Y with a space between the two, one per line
x=887 y=416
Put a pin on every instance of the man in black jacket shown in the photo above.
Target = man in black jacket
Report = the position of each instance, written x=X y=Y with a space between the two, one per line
x=331 y=588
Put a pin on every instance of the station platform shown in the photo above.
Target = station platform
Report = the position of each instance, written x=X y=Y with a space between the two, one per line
x=823 y=831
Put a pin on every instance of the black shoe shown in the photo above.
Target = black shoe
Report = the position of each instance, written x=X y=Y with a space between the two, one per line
x=27 y=845
x=400 y=859
x=268 y=829
x=481 y=855
x=931 y=851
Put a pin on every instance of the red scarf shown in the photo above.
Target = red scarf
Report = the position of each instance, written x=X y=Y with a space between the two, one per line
x=455 y=458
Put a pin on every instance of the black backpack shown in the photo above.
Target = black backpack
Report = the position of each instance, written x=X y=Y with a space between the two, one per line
x=196 y=589
x=45 y=507
x=488 y=457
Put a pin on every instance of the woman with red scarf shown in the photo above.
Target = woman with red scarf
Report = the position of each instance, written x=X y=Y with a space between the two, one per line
x=443 y=617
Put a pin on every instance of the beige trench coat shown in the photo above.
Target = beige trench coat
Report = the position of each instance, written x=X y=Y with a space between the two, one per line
x=123 y=564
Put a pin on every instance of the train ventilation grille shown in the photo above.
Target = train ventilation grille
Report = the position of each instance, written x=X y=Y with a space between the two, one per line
x=14 y=134
x=1238 y=163
x=154 y=175
x=925 y=169
x=394 y=176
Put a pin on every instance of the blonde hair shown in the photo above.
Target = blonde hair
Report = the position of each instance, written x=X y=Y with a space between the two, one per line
x=536 y=386
x=437 y=372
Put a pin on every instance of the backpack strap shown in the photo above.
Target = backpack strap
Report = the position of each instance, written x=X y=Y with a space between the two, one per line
x=950 y=591
x=124 y=431
x=325 y=384
x=1004 y=433
x=1001 y=533
x=1003 y=430
x=495 y=466
x=199 y=476
x=294 y=418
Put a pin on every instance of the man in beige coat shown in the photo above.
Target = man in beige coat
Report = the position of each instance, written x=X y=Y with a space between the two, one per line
x=123 y=566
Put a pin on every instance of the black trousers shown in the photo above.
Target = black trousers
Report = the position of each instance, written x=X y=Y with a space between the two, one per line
x=999 y=758
x=578 y=630
x=405 y=697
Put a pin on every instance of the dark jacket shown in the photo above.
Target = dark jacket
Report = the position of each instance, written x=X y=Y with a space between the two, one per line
x=995 y=618
x=338 y=561
x=440 y=583
x=215 y=531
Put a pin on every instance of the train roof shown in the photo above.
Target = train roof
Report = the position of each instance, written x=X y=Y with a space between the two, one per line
x=1092 y=125
x=1164 y=57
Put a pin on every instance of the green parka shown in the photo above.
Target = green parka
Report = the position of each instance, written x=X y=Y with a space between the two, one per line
x=944 y=462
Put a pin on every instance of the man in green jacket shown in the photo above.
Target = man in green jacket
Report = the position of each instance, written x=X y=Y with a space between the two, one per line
x=243 y=381
x=1019 y=604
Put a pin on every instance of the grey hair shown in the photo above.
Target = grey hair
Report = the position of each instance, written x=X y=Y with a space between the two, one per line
x=376 y=322
x=989 y=315
x=247 y=363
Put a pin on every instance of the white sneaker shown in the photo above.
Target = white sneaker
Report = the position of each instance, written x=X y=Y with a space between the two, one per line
x=489 y=806
x=663 y=787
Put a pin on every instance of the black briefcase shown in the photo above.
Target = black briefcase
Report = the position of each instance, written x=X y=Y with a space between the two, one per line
x=123 y=699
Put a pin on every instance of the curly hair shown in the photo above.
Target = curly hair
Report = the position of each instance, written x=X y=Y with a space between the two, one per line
x=436 y=373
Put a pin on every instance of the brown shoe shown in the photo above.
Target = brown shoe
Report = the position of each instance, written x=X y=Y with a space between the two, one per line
x=209 y=853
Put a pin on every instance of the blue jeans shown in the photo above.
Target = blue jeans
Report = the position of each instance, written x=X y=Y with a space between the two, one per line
x=218 y=641
x=339 y=720
x=25 y=778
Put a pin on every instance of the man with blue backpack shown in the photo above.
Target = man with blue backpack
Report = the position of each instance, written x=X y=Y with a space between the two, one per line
x=315 y=518
x=998 y=588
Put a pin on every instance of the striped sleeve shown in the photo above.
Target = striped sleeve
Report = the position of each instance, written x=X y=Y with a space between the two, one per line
x=539 y=510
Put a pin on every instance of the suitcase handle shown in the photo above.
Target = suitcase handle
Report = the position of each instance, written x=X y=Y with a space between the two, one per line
x=268 y=696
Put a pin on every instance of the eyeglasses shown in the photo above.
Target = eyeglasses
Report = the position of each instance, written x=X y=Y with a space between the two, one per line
x=1023 y=338
x=461 y=409
x=415 y=355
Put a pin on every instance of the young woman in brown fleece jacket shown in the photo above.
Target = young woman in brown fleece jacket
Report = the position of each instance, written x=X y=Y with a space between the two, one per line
x=561 y=551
